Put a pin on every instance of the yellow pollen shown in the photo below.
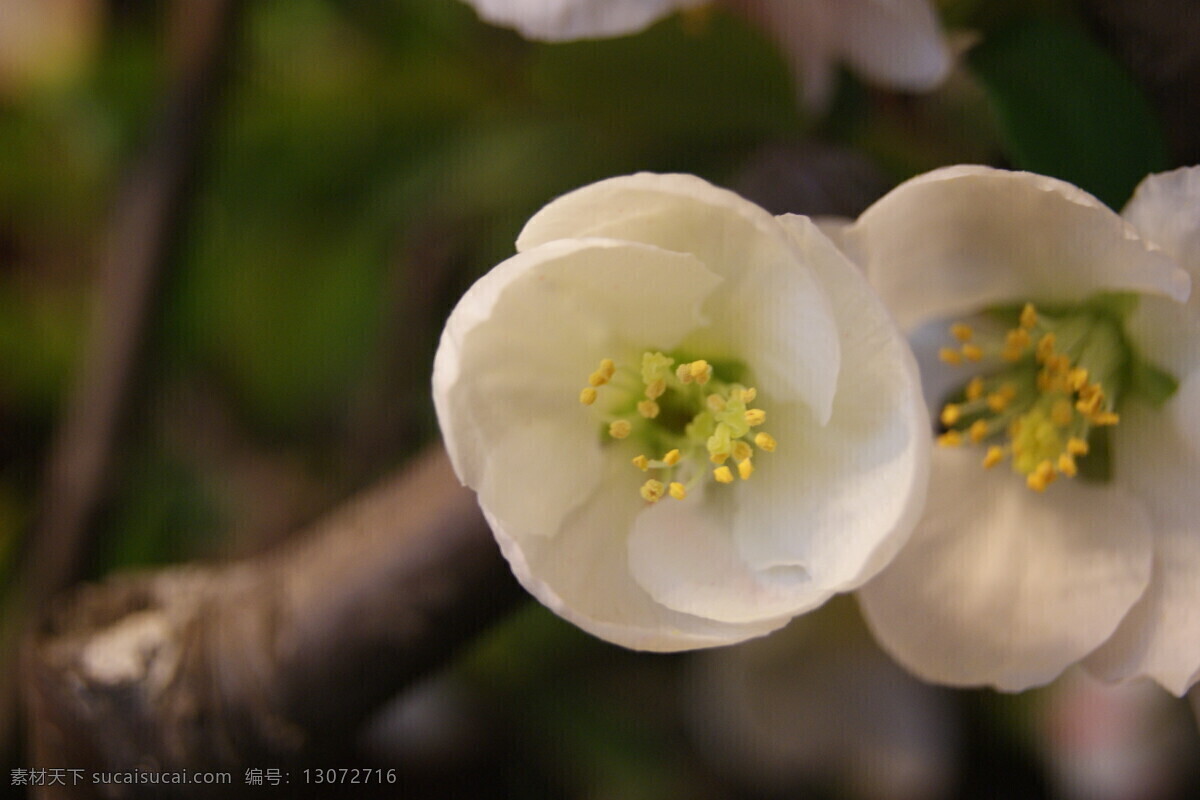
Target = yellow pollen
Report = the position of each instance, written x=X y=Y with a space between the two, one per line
x=1066 y=465
x=997 y=402
x=1028 y=316
x=961 y=332
x=715 y=402
x=1089 y=402
x=677 y=490
x=642 y=463
x=722 y=475
x=684 y=373
x=748 y=395
x=755 y=416
x=1077 y=379
x=995 y=455
x=1077 y=446
x=587 y=396
x=648 y=409
x=975 y=388
x=620 y=429
x=741 y=451
x=950 y=414
x=950 y=439
x=597 y=378
x=765 y=441
x=1061 y=413
x=1045 y=347
x=656 y=388
x=972 y=352
x=1018 y=338
x=978 y=431
x=1103 y=418
x=700 y=371
x=1041 y=477
x=608 y=367
x=745 y=469
x=718 y=458
x=672 y=458
x=652 y=491
x=950 y=355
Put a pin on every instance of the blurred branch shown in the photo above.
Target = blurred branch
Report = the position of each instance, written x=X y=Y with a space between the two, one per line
x=263 y=661
x=147 y=214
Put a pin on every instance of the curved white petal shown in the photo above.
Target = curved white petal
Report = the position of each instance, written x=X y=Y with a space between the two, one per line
x=583 y=575
x=564 y=20
x=958 y=239
x=895 y=43
x=770 y=310
x=1164 y=209
x=683 y=555
x=518 y=348
x=842 y=498
x=1161 y=636
x=1003 y=586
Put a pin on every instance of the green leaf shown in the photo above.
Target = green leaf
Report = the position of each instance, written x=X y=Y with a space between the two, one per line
x=1068 y=110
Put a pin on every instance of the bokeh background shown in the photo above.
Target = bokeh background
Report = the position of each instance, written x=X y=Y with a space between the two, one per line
x=359 y=163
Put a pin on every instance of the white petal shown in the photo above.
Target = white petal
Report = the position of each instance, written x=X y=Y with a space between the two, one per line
x=583 y=575
x=518 y=348
x=1165 y=209
x=1003 y=586
x=563 y=20
x=962 y=238
x=771 y=311
x=683 y=555
x=895 y=43
x=1161 y=636
x=841 y=499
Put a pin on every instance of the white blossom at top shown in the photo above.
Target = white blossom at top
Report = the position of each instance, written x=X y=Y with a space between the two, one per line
x=1062 y=517
x=686 y=420
x=893 y=43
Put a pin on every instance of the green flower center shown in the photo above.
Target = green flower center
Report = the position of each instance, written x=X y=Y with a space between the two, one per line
x=1057 y=379
x=686 y=411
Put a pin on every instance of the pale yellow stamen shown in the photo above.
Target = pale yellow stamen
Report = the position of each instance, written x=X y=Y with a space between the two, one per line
x=950 y=439
x=950 y=356
x=620 y=429
x=652 y=491
x=950 y=414
x=684 y=373
x=961 y=332
x=765 y=441
x=641 y=462
x=1077 y=446
x=748 y=395
x=755 y=417
x=677 y=490
x=1104 y=418
x=656 y=388
x=608 y=367
x=715 y=403
x=978 y=431
x=722 y=475
x=1061 y=413
x=700 y=371
x=1028 y=316
x=741 y=451
x=597 y=378
x=975 y=388
x=1066 y=465
x=745 y=469
x=587 y=396
x=1041 y=477
x=718 y=458
x=672 y=458
x=972 y=352
x=648 y=409
x=995 y=455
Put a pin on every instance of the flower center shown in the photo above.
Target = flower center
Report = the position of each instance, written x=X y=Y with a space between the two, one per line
x=1056 y=385
x=687 y=412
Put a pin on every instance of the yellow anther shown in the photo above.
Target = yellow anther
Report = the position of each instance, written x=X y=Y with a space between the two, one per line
x=597 y=378
x=765 y=441
x=950 y=355
x=1088 y=403
x=997 y=401
x=961 y=332
x=950 y=414
x=684 y=373
x=1077 y=446
x=677 y=490
x=641 y=462
x=672 y=458
x=975 y=388
x=620 y=429
x=950 y=439
x=1017 y=338
x=1045 y=347
x=648 y=409
x=978 y=431
x=741 y=450
x=652 y=491
x=1029 y=316
x=722 y=475
x=972 y=352
x=607 y=367
x=1041 y=477
x=1103 y=418
x=715 y=403
x=700 y=371
x=1066 y=465
x=1077 y=379
x=995 y=455
x=1011 y=354
x=656 y=388
x=718 y=458
x=748 y=395
x=755 y=416
x=1061 y=413
x=587 y=396
x=745 y=469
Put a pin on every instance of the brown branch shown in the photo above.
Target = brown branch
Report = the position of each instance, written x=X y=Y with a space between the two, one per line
x=146 y=216
x=263 y=661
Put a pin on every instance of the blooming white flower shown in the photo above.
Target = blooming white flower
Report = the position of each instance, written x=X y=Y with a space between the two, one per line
x=651 y=507
x=895 y=43
x=1073 y=352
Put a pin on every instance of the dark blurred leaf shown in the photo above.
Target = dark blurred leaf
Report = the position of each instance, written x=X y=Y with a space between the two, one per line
x=1068 y=110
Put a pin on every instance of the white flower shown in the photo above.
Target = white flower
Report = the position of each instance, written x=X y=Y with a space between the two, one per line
x=1017 y=569
x=894 y=43
x=604 y=392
